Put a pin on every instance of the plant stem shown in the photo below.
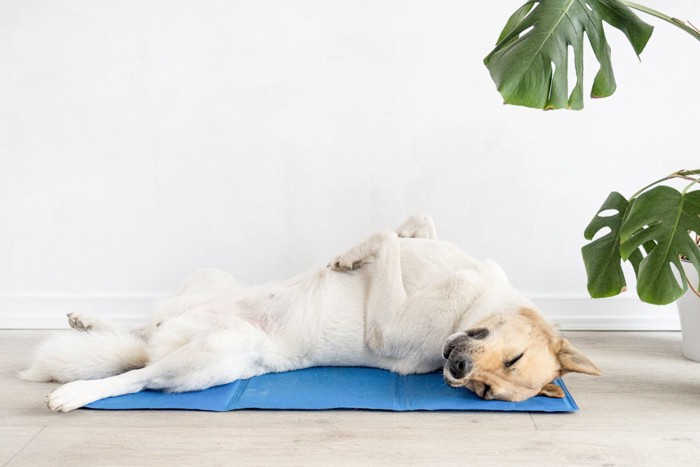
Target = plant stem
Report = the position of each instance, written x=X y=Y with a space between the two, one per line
x=684 y=174
x=695 y=180
x=692 y=287
x=686 y=26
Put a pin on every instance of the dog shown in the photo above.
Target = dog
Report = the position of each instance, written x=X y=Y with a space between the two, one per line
x=400 y=300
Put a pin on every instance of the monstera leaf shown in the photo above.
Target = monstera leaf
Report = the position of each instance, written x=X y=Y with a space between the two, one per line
x=601 y=256
x=530 y=61
x=668 y=218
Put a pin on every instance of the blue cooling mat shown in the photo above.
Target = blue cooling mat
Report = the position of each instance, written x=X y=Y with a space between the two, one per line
x=334 y=388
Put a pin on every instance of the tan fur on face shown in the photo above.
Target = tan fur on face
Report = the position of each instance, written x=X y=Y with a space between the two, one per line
x=545 y=356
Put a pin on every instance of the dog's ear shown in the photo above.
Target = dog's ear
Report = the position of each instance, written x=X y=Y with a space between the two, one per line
x=573 y=361
x=552 y=390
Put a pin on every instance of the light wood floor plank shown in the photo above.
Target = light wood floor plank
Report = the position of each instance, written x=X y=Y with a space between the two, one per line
x=13 y=439
x=316 y=445
x=618 y=412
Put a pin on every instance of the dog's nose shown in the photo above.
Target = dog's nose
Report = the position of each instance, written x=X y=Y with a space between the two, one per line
x=459 y=367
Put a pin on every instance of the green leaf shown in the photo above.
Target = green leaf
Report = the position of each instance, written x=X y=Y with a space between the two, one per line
x=529 y=66
x=667 y=217
x=602 y=256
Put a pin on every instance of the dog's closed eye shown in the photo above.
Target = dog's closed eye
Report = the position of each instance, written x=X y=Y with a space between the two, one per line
x=478 y=334
x=514 y=360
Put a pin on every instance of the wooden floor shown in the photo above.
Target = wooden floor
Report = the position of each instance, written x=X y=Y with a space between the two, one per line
x=645 y=410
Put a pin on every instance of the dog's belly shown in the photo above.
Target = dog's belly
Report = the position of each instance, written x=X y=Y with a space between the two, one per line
x=322 y=321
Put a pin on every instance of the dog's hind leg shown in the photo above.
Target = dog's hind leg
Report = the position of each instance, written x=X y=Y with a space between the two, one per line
x=89 y=322
x=230 y=353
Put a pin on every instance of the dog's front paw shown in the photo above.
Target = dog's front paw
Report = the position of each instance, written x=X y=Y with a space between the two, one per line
x=343 y=263
x=73 y=395
x=79 y=321
x=363 y=253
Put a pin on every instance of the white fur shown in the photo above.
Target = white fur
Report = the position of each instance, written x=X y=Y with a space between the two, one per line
x=68 y=357
x=388 y=302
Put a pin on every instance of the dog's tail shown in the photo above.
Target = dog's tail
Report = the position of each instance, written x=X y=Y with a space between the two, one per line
x=71 y=356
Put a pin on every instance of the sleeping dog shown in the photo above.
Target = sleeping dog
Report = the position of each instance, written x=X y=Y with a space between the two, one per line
x=400 y=300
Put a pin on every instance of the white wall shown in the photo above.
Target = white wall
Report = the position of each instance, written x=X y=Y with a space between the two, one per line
x=140 y=140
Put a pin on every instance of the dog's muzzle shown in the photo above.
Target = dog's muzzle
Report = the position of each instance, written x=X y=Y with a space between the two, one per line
x=456 y=351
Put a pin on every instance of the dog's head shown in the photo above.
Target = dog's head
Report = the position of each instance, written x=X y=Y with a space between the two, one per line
x=512 y=357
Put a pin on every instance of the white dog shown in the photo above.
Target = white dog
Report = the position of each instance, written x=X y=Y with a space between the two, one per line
x=401 y=301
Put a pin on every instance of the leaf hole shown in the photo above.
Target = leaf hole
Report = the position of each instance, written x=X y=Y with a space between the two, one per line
x=526 y=31
x=608 y=213
x=551 y=79
x=601 y=233
x=532 y=9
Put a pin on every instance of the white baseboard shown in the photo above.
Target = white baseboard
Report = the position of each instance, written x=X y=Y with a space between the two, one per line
x=569 y=311
x=579 y=312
